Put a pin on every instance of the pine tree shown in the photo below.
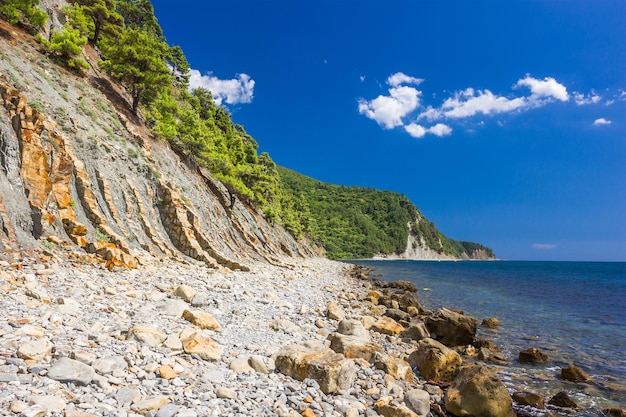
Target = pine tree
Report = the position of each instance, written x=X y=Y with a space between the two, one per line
x=12 y=10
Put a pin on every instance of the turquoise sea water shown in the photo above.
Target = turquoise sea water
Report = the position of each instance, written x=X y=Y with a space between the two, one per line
x=575 y=312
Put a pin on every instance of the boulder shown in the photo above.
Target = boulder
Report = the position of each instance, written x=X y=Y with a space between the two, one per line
x=574 y=374
x=354 y=328
x=332 y=371
x=563 y=400
x=477 y=391
x=527 y=398
x=353 y=346
x=36 y=350
x=333 y=311
x=452 y=328
x=416 y=331
x=407 y=301
x=69 y=370
x=533 y=355
x=435 y=361
x=402 y=285
x=397 y=314
x=196 y=343
x=418 y=401
x=185 y=292
x=387 y=325
x=491 y=323
x=614 y=412
x=395 y=367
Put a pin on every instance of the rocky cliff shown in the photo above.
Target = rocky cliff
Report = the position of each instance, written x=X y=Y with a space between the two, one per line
x=77 y=170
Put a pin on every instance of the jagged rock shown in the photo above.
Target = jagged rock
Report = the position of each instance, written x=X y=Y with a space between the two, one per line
x=435 y=361
x=416 y=331
x=149 y=336
x=387 y=325
x=407 y=302
x=477 y=391
x=563 y=400
x=69 y=370
x=527 y=398
x=451 y=328
x=532 y=355
x=197 y=343
x=574 y=374
x=201 y=319
x=397 y=314
x=36 y=350
x=396 y=367
x=418 y=401
x=331 y=370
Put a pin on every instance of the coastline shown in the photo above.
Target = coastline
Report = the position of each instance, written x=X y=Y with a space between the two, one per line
x=128 y=327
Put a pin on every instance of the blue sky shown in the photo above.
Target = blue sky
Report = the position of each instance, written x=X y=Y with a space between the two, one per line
x=503 y=121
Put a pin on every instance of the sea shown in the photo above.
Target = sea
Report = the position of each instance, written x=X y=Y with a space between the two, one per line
x=574 y=312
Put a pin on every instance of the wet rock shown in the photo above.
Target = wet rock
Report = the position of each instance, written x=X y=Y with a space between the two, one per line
x=491 y=323
x=533 y=355
x=452 y=328
x=435 y=361
x=403 y=285
x=614 y=412
x=574 y=374
x=477 y=391
x=527 y=398
x=331 y=370
x=72 y=371
x=563 y=400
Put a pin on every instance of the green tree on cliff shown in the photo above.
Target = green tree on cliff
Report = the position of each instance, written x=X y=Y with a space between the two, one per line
x=67 y=44
x=137 y=58
x=13 y=10
x=103 y=16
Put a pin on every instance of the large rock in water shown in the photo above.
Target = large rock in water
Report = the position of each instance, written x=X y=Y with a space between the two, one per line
x=435 y=361
x=332 y=371
x=478 y=392
x=452 y=328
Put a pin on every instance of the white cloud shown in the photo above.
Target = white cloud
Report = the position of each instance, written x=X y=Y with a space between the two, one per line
x=582 y=99
x=234 y=91
x=602 y=121
x=419 y=131
x=400 y=78
x=362 y=78
x=415 y=130
x=469 y=102
x=388 y=111
x=440 y=130
x=546 y=88
x=544 y=246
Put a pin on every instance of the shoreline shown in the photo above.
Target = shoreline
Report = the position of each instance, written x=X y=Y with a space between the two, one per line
x=130 y=330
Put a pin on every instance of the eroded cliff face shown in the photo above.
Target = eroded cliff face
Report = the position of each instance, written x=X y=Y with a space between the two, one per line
x=75 y=170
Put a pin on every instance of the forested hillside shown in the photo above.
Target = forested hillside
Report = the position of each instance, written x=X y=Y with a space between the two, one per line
x=122 y=40
x=356 y=222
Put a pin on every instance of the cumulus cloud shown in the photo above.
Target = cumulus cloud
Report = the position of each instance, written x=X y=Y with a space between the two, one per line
x=469 y=102
x=388 y=111
x=419 y=131
x=544 y=246
x=234 y=91
x=546 y=88
x=601 y=121
x=582 y=99
x=400 y=78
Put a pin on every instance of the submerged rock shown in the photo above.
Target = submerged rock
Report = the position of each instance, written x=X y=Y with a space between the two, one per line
x=574 y=374
x=533 y=355
x=563 y=400
x=527 y=398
